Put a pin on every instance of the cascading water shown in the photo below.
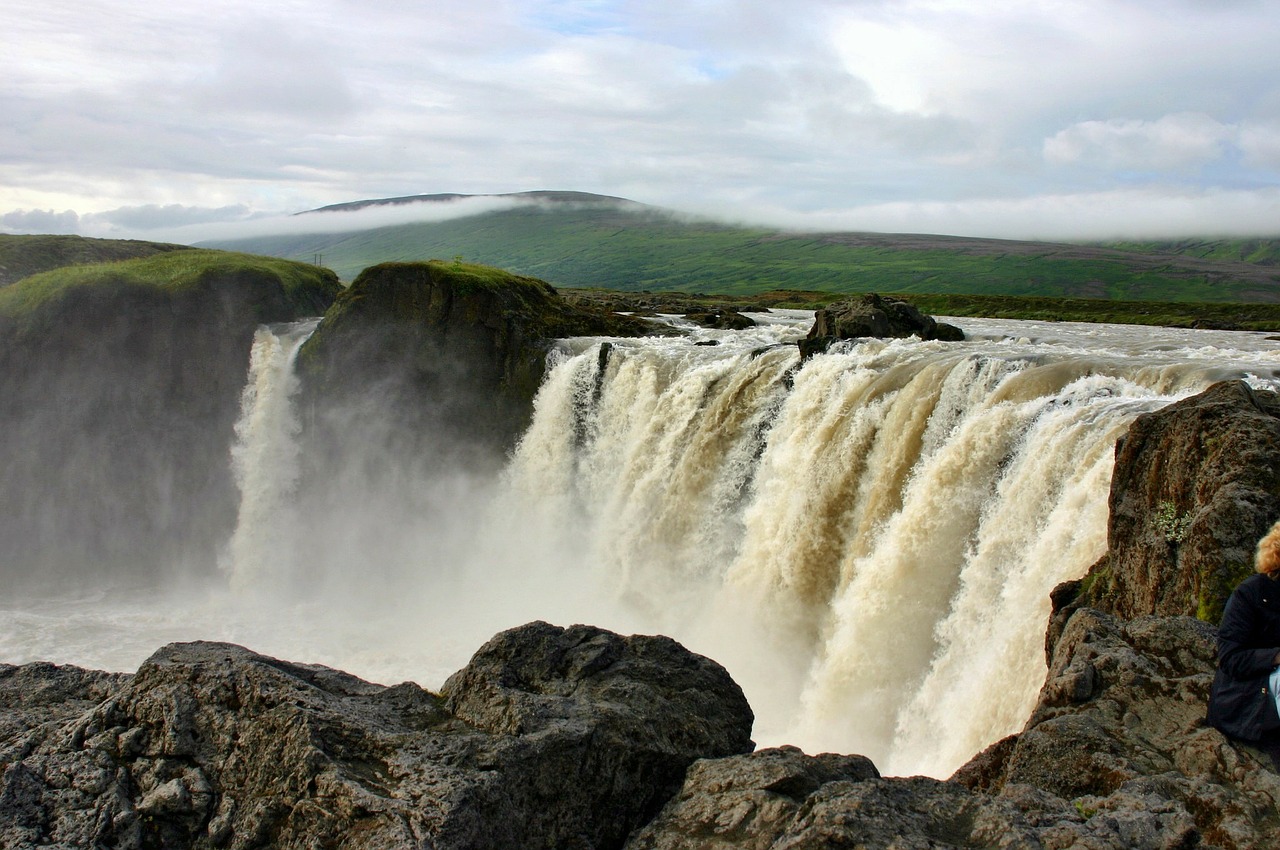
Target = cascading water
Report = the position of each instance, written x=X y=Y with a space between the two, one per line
x=264 y=460
x=867 y=539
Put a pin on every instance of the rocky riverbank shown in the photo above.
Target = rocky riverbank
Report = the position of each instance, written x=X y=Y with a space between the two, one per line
x=575 y=738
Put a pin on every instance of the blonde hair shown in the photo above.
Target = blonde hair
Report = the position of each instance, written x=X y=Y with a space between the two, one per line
x=1267 y=559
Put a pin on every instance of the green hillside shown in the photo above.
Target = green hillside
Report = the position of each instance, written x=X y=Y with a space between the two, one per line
x=1261 y=252
x=631 y=247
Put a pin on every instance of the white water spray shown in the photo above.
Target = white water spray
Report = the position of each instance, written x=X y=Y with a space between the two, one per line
x=264 y=460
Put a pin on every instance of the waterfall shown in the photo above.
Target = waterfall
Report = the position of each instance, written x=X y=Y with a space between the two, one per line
x=867 y=539
x=264 y=460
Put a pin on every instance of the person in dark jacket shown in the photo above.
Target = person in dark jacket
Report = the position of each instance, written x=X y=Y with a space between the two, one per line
x=1243 y=703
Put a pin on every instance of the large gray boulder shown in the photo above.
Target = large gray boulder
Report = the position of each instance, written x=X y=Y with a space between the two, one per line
x=562 y=738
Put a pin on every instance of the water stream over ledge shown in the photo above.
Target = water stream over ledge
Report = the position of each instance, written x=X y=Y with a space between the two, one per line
x=866 y=540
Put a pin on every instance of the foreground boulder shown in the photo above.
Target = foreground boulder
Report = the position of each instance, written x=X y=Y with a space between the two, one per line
x=872 y=315
x=549 y=738
x=579 y=738
x=1196 y=485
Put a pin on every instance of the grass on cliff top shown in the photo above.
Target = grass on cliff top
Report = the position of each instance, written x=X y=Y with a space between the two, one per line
x=472 y=277
x=171 y=271
x=463 y=278
x=23 y=256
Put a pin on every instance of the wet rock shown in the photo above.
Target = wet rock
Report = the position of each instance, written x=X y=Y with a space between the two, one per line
x=1119 y=733
x=1196 y=485
x=725 y=318
x=1114 y=757
x=872 y=315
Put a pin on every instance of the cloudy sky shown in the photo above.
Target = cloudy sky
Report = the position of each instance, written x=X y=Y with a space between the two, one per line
x=1041 y=118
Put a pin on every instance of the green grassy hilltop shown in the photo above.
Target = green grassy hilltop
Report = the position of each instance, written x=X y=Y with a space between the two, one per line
x=624 y=246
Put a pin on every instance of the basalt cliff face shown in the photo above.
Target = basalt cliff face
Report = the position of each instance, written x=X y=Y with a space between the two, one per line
x=1115 y=756
x=117 y=400
x=450 y=350
x=1195 y=487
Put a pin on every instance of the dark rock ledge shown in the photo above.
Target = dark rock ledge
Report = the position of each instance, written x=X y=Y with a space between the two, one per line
x=575 y=738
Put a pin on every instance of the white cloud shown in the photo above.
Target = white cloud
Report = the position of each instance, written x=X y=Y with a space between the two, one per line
x=1172 y=142
x=815 y=104
x=39 y=221
x=1148 y=213
x=1260 y=144
x=152 y=216
x=192 y=225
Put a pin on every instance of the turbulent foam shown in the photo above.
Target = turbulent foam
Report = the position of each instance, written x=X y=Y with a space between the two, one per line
x=888 y=518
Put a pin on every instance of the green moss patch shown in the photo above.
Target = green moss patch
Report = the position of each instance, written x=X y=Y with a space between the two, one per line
x=173 y=272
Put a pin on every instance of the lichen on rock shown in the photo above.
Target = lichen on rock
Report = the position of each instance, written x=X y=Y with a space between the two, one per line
x=1196 y=485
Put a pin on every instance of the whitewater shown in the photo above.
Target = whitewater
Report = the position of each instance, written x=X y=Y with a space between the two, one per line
x=866 y=540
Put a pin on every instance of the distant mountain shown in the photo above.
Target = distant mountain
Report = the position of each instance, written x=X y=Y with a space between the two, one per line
x=537 y=196
x=580 y=240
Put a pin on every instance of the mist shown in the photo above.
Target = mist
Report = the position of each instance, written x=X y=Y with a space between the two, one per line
x=1125 y=213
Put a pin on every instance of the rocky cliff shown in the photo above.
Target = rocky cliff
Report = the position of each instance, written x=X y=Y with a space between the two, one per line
x=1196 y=485
x=575 y=738
x=447 y=349
x=1115 y=757
x=119 y=386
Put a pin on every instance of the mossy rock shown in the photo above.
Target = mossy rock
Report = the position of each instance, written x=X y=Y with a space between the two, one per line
x=446 y=350
x=119 y=387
